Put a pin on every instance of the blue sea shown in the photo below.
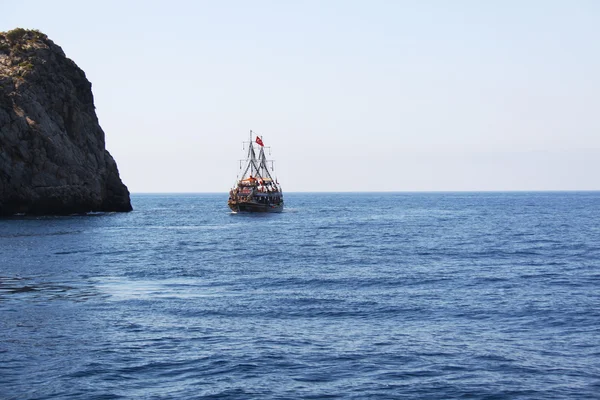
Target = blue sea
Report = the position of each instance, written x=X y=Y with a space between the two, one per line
x=341 y=296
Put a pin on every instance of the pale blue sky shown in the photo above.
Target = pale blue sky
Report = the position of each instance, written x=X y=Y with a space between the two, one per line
x=351 y=95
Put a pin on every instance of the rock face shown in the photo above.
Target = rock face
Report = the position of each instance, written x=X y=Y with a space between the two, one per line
x=52 y=152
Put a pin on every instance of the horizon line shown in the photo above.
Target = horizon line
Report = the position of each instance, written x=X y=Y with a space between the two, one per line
x=407 y=191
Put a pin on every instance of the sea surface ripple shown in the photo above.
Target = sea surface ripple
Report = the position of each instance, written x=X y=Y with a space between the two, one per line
x=350 y=296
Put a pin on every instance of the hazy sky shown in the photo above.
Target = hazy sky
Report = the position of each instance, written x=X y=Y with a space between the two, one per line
x=351 y=95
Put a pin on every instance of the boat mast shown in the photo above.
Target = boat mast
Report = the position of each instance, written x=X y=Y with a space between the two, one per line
x=256 y=166
x=263 y=164
x=251 y=154
x=252 y=164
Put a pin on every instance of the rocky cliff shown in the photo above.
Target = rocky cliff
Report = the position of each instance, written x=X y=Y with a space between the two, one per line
x=53 y=158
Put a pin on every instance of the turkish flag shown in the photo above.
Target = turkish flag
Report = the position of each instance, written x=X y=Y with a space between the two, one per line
x=259 y=141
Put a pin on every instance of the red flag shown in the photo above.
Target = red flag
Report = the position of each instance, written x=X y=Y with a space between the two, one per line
x=259 y=141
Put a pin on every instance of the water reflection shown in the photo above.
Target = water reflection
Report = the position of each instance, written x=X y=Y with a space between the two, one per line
x=118 y=288
x=34 y=289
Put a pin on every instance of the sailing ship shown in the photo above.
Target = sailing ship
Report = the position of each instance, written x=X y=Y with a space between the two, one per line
x=255 y=189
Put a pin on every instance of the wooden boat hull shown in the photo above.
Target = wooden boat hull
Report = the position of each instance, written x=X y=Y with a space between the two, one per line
x=252 y=207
